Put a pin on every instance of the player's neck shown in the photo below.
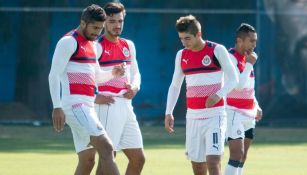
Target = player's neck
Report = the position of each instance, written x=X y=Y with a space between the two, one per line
x=80 y=32
x=239 y=50
x=111 y=38
x=199 y=46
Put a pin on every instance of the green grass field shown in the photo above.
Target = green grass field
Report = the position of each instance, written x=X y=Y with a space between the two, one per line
x=26 y=150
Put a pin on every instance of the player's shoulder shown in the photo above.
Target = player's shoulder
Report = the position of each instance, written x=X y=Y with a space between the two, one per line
x=211 y=44
x=179 y=52
x=220 y=48
x=67 y=40
x=128 y=41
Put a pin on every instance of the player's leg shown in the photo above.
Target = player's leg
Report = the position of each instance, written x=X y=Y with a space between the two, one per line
x=136 y=160
x=215 y=138
x=214 y=164
x=131 y=141
x=195 y=144
x=86 y=162
x=199 y=168
x=235 y=135
x=236 y=154
x=111 y=117
x=81 y=138
x=99 y=170
x=105 y=150
x=249 y=136
x=87 y=117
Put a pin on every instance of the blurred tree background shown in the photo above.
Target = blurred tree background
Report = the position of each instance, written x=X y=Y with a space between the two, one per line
x=30 y=29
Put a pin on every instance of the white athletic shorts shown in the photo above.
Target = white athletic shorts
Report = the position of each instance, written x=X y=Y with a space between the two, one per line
x=84 y=123
x=238 y=123
x=120 y=123
x=205 y=137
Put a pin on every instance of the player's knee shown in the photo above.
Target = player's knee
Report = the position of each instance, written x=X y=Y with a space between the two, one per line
x=90 y=163
x=199 y=168
x=213 y=166
x=237 y=154
x=104 y=148
x=87 y=164
x=137 y=159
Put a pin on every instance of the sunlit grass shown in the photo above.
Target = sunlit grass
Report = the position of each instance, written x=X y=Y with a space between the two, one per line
x=40 y=151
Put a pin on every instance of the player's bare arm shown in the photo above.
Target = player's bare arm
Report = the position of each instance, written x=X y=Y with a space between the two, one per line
x=169 y=123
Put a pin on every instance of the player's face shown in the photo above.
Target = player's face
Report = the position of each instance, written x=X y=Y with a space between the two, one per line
x=188 y=40
x=114 y=24
x=249 y=43
x=92 y=30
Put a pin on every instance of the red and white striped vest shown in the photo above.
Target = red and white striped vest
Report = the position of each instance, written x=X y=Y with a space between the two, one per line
x=203 y=75
x=114 y=53
x=242 y=99
x=82 y=83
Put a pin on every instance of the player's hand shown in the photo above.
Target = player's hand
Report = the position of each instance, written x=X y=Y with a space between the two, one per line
x=169 y=123
x=58 y=119
x=212 y=100
x=251 y=57
x=104 y=100
x=131 y=92
x=258 y=115
x=119 y=70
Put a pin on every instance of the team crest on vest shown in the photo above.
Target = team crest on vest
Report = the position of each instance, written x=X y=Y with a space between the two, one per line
x=206 y=61
x=126 y=52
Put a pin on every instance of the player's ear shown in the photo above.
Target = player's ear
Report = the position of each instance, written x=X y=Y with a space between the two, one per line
x=239 y=40
x=198 y=34
x=270 y=6
x=82 y=24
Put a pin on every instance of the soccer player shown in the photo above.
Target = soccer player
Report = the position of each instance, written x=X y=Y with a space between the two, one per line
x=73 y=75
x=203 y=64
x=242 y=108
x=114 y=107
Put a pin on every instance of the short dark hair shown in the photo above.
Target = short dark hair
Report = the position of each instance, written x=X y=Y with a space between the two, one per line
x=243 y=30
x=188 y=24
x=114 y=8
x=93 y=13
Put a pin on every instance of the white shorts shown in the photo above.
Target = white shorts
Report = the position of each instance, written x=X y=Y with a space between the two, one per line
x=237 y=124
x=84 y=123
x=120 y=123
x=205 y=137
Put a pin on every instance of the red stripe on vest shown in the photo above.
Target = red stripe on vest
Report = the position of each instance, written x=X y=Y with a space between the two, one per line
x=241 y=103
x=200 y=103
x=110 y=89
x=82 y=89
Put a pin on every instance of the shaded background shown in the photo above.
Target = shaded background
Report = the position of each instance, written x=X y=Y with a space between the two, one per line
x=30 y=29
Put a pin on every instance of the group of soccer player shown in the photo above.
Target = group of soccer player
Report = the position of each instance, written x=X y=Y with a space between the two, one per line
x=220 y=97
x=94 y=77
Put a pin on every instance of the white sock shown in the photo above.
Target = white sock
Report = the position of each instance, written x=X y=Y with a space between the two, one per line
x=231 y=170
x=232 y=167
x=240 y=169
